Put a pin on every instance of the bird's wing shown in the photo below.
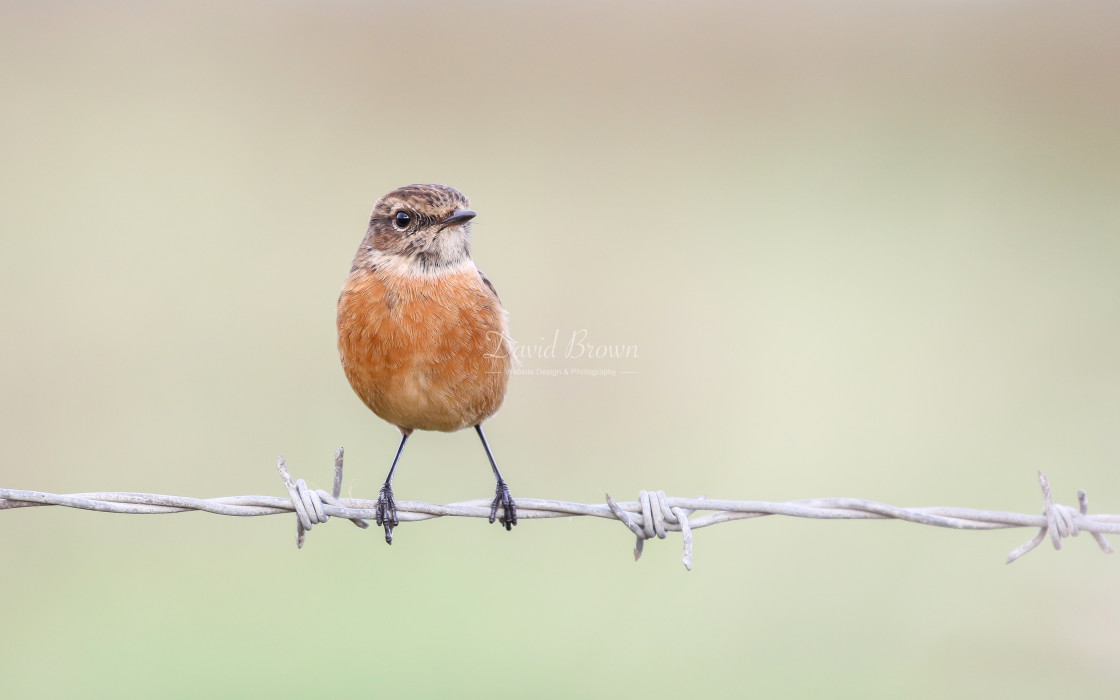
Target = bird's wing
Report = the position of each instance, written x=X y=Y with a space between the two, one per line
x=490 y=286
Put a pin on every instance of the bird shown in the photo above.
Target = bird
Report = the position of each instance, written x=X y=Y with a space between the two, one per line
x=422 y=335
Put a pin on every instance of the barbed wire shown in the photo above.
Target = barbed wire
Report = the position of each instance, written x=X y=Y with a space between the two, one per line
x=653 y=515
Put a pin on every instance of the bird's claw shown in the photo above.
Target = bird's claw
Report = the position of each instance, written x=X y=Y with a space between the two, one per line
x=386 y=510
x=503 y=498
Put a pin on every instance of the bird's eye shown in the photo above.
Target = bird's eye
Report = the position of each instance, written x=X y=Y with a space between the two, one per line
x=402 y=219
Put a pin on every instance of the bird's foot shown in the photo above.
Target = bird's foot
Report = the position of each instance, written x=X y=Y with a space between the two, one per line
x=509 y=510
x=387 y=512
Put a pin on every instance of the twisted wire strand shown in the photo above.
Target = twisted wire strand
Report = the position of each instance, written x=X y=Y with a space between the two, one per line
x=653 y=515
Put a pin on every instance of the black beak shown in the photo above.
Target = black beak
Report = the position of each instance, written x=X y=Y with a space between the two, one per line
x=459 y=216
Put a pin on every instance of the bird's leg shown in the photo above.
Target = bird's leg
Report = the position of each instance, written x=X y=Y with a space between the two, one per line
x=501 y=492
x=386 y=507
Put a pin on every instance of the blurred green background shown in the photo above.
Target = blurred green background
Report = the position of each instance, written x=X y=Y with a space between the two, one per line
x=863 y=249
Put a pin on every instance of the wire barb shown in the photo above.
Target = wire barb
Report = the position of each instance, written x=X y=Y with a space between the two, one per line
x=1061 y=522
x=308 y=502
x=653 y=515
x=656 y=514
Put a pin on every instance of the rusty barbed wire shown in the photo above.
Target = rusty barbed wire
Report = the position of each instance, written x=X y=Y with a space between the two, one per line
x=653 y=515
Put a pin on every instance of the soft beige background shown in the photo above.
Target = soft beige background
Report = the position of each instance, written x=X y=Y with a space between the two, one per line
x=864 y=249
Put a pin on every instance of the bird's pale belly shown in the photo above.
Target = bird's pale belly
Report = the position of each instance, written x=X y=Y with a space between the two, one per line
x=424 y=352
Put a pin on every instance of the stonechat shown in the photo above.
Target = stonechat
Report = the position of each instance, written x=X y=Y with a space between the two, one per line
x=422 y=334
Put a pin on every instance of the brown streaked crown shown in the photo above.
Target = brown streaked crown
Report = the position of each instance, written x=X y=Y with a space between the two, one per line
x=409 y=225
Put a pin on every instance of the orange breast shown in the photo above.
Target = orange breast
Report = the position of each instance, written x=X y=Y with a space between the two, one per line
x=424 y=352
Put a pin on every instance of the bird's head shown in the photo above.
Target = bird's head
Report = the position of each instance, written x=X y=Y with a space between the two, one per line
x=425 y=228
